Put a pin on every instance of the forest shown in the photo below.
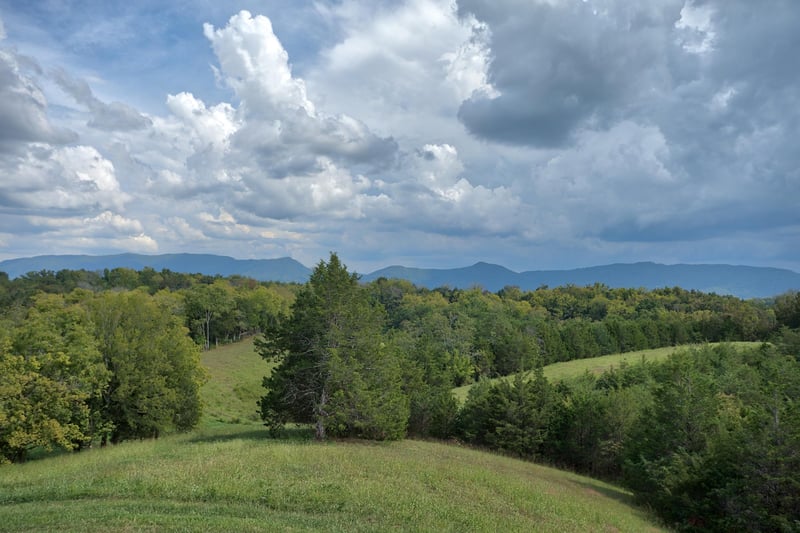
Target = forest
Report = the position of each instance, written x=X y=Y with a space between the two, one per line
x=708 y=439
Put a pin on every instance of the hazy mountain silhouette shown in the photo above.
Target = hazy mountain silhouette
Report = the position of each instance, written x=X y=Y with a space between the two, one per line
x=284 y=269
x=741 y=281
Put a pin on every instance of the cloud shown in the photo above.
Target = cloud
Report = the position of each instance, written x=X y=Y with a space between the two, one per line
x=399 y=64
x=330 y=191
x=560 y=66
x=73 y=233
x=435 y=197
x=255 y=65
x=275 y=143
x=67 y=179
x=542 y=133
x=624 y=173
x=211 y=126
x=23 y=106
x=115 y=116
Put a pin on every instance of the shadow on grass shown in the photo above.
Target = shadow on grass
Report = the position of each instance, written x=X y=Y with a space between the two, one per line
x=610 y=492
x=223 y=434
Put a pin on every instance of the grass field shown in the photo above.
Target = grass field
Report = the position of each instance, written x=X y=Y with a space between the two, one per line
x=235 y=372
x=237 y=479
x=230 y=475
x=596 y=365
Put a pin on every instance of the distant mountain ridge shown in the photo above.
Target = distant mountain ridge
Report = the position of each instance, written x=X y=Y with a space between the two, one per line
x=741 y=281
x=284 y=269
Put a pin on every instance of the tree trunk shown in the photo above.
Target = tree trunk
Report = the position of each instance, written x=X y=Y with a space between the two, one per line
x=320 y=415
x=208 y=329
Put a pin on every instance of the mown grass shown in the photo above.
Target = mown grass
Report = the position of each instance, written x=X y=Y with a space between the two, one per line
x=596 y=365
x=238 y=479
x=235 y=372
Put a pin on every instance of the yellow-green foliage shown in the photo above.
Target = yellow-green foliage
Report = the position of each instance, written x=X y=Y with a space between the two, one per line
x=237 y=479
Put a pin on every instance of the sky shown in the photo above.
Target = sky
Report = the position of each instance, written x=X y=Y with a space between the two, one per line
x=537 y=134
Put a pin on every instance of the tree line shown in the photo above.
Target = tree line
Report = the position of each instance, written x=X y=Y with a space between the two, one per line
x=708 y=439
x=103 y=357
x=216 y=309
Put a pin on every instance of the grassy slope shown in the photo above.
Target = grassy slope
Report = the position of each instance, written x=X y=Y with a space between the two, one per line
x=597 y=365
x=234 y=385
x=240 y=480
x=233 y=477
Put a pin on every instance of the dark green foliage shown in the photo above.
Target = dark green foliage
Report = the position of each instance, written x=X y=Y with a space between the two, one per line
x=514 y=416
x=708 y=439
x=787 y=309
x=428 y=382
x=210 y=311
x=718 y=448
x=88 y=367
x=335 y=368
x=155 y=369
x=593 y=421
x=788 y=342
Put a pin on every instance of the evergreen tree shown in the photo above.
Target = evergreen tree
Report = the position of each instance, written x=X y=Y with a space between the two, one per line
x=335 y=369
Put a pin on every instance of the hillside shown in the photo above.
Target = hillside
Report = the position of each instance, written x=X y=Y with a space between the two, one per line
x=597 y=365
x=235 y=374
x=241 y=480
x=741 y=281
x=235 y=477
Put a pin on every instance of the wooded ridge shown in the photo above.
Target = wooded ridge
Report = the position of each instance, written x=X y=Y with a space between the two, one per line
x=741 y=281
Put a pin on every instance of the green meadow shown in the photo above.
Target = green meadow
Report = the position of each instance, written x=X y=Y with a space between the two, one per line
x=597 y=365
x=231 y=475
x=239 y=479
x=235 y=373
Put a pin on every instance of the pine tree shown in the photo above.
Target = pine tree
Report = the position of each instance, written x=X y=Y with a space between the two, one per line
x=335 y=369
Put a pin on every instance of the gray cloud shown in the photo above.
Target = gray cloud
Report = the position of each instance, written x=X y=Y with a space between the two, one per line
x=293 y=142
x=560 y=66
x=23 y=107
x=114 y=116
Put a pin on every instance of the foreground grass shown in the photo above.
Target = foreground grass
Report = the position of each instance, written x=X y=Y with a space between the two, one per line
x=234 y=386
x=237 y=479
x=598 y=365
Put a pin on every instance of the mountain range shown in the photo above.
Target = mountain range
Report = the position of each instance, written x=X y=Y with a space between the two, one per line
x=741 y=281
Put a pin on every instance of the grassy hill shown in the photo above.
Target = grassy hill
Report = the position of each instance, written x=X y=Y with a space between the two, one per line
x=596 y=365
x=234 y=477
x=238 y=479
x=234 y=385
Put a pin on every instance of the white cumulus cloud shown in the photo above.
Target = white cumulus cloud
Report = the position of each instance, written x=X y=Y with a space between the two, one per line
x=256 y=66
